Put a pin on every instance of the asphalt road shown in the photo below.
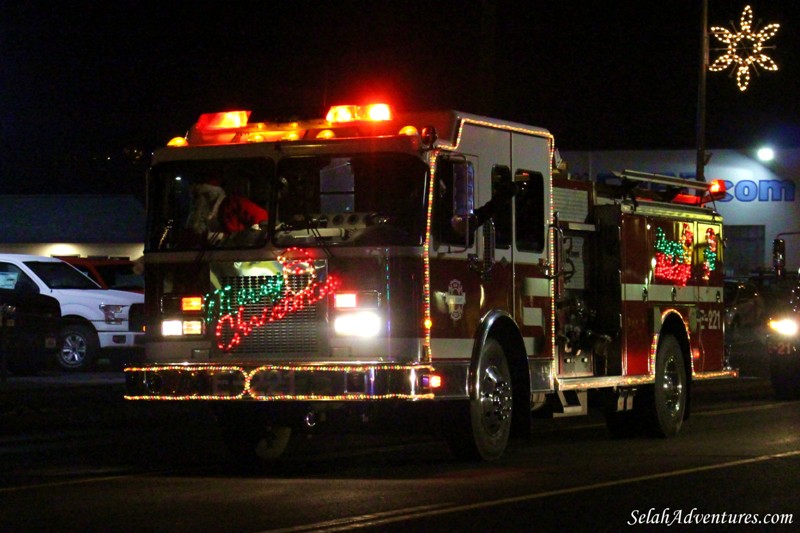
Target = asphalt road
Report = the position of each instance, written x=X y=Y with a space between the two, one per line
x=74 y=456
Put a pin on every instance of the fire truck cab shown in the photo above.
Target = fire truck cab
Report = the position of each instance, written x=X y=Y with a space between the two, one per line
x=440 y=259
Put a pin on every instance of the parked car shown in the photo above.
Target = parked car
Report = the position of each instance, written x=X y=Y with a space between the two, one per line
x=783 y=337
x=118 y=273
x=744 y=309
x=96 y=323
x=29 y=326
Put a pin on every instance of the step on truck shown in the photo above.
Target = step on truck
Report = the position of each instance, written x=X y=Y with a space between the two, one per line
x=439 y=260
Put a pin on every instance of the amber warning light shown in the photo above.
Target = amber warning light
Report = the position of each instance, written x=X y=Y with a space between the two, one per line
x=433 y=381
x=716 y=189
x=191 y=303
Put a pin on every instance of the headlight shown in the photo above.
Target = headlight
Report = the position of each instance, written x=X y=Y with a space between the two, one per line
x=785 y=326
x=177 y=328
x=358 y=324
x=111 y=313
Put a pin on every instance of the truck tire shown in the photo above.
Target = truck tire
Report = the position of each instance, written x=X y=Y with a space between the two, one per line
x=79 y=348
x=666 y=402
x=658 y=410
x=479 y=429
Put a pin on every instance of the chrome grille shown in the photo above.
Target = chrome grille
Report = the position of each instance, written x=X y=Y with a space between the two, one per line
x=297 y=332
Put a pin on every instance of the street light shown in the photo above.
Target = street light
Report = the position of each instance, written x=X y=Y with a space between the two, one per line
x=765 y=154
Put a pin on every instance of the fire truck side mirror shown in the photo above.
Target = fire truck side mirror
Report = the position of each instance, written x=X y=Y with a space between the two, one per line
x=455 y=202
x=779 y=257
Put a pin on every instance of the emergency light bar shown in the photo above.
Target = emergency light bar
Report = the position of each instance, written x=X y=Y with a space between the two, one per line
x=234 y=127
x=353 y=113
x=223 y=121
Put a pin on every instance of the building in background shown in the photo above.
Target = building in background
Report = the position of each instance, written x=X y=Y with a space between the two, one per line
x=761 y=200
x=72 y=224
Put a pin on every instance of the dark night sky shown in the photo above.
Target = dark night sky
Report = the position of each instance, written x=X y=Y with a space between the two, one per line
x=82 y=80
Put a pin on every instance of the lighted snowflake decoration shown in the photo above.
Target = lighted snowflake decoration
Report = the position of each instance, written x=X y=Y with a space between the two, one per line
x=745 y=48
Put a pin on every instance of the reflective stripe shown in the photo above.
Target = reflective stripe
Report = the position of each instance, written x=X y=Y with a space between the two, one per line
x=451 y=348
x=634 y=292
x=536 y=287
x=532 y=316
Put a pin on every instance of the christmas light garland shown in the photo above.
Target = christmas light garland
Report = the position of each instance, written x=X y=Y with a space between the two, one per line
x=744 y=48
x=232 y=326
x=710 y=253
x=674 y=258
x=249 y=387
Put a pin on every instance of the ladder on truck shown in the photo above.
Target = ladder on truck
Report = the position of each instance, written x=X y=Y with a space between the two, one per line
x=668 y=188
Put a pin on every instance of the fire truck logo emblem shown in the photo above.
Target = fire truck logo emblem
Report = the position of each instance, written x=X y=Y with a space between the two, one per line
x=455 y=299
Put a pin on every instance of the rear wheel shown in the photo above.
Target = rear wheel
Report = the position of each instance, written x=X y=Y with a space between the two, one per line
x=79 y=347
x=480 y=428
x=658 y=409
x=666 y=402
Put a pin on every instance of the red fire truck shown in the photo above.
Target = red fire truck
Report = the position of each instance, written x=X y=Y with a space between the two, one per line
x=440 y=259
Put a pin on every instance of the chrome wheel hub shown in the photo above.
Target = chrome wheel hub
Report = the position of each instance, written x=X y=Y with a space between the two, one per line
x=495 y=399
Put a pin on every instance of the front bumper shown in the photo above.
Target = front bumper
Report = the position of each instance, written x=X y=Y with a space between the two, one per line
x=120 y=339
x=291 y=382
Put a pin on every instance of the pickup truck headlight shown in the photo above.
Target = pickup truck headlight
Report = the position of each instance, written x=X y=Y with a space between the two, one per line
x=111 y=313
x=787 y=327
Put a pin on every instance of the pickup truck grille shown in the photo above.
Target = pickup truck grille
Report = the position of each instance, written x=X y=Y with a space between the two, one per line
x=297 y=332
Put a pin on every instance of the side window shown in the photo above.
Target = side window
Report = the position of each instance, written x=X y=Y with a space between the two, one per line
x=529 y=204
x=8 y=276
x=11 y=277
x=455 y=197
x=337 y=187
x=501 y=175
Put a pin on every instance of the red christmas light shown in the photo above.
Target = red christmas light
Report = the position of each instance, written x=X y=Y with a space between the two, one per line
x=674 y=258
x=237 y=327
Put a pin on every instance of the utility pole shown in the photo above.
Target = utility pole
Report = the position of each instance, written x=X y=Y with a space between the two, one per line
x=701 y=96
x=488 y=33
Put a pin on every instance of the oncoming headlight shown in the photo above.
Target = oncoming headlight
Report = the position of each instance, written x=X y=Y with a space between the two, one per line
x=358 y=324
x=785 y=326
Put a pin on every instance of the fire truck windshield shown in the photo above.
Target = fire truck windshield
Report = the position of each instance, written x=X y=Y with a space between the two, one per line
x=216 y=203
x=336 y=200
x=357 y=200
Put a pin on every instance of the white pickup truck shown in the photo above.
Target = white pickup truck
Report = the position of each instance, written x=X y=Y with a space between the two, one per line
x=97 y=323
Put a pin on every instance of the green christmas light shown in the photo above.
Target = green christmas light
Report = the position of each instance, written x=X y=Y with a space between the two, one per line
x=710 y=253
x=225 y=300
